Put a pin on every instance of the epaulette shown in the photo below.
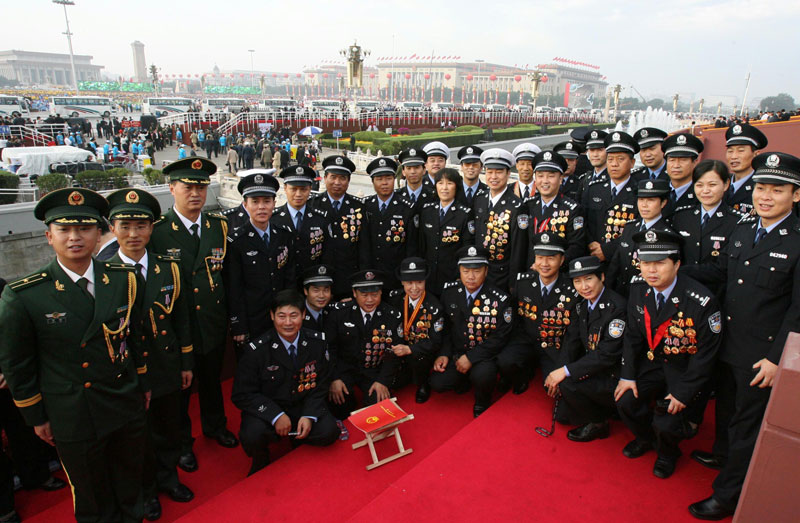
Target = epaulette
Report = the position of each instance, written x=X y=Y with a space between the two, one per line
x=500 y=294
x=161 y=219
x=217 y=215
x=699 y=298
x=315 y=334
x=639 y=169
x=167 y=258
x=526 y=275
x=449 y=284
x=226 y=212
x=113 y=266
x=341 y=305
x=394 y=293
x=234 y=234
x=685 y=207
x=463 y=208
x=572 y=204
x=29 y=281
x=283 y=226
x=357 y=198
x=429 y=204
x=403 y=199
x=321 y=212
x=598 y=180
x=747 y=218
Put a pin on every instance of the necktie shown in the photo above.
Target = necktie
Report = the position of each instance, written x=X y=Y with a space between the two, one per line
x=336 y=204
x=266 y=239
x=383 y=207
x=527 y=193
x=469 y=300
x=298 y=220
x=731 y=191
x=660 y=301
x=367 y=319
x=469 y=195
x=704 y=221
x=293 y=354
x=643 y=226
x=196 y=236
x=83 y=283
x=442 y=212
x=653 y=175
x=673 y=196
x=613 y=192
x=759 y=234
x=140 y=271
x=412 y=197
x=545 y=292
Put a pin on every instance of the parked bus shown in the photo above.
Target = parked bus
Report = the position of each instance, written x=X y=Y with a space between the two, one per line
x=85 y=106
x=364 y=106
x=233 y=105
x=410 y=106
x=278 y=105
x=442 y=107
x=13 y=106
x=329 y=107
x=165 y=106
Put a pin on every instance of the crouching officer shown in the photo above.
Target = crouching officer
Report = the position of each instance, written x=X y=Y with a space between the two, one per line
x=71 y=354
x=591 y=352
x=423 y=324
x=167 y=340
x=669 y=349
x=360 y=335
x=317 y=284
x=478 y=323
x=281 y=383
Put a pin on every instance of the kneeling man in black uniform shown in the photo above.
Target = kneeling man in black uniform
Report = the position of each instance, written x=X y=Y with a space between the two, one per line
x=281 y=384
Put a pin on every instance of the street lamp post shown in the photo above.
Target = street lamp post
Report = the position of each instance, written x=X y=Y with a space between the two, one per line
x=536 y=78
x=252 y=71
x=65 y=3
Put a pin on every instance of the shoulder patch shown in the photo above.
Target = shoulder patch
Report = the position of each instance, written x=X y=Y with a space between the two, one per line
x=616 y=328
x=167 y=258
x=715 y=322
x=112 y=266
x=217 y=215
x=29 y=281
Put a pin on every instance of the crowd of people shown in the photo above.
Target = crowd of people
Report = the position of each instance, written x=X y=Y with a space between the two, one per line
x=637 y=293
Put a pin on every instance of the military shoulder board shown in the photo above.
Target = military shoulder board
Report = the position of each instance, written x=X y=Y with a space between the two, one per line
x=112 y=266
x=315 y=334
x=598 y=180
x=429 y=204
x=525 y=275
x=748 y=219
x=29 y=281
x=218 y=216
x=160 y=220
x=699 y=298
x=451 y=284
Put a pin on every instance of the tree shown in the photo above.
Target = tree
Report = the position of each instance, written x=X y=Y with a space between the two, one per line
x=778 y=102
x=656 y=103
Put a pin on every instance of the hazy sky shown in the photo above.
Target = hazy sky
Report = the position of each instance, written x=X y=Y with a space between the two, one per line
x=687 y=46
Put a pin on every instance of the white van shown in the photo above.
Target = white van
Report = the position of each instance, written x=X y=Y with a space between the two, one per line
x=410 y=106
x=364 y=106
x=442 y=107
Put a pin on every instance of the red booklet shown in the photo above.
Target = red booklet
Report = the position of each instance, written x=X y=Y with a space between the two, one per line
x=377 y=416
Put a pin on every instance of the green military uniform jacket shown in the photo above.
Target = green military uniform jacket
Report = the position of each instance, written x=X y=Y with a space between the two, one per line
x=202 y=272
x=74 y=362
x=167 y=341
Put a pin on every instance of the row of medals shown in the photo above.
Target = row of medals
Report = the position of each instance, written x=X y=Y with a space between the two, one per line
x=396 y=232
x=215 y=260
x=450 y=236
x=423 y=325
x=558 y=222
x=316 y=243
x=381 y=339
x=351 y=225
x=497 y=233
x=616 y=222
x=307 y=380
x=480 y=322
x=682 y=337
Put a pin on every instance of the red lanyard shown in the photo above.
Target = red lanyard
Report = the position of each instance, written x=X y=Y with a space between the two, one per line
x=652 y=342
x=408 y=322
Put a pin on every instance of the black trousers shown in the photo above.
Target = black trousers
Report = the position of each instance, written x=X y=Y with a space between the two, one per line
x=482 y=376
x=256 y=434
x=750 y=403
x=6 y=484
x=106 y=473
x=207 y=369
x=662 y=429
x=28 y=453
x=163 y=445
x=363 y=382
x=414 y=368
x=590 y=400
x=517 y=361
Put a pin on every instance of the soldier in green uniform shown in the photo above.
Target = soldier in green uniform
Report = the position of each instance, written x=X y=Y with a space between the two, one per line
x=199 y=239
x=168 y=345
x=72 y=357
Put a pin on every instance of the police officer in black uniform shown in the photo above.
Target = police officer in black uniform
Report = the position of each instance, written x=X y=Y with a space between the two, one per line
x=478 y=323
x=360 y=336
x=281 y=384
x=623 y=267
x=469 y=158
x=583 y=165
x=610 y=200
x=500 y=220
x=551 y=211
x=762 y=305
x=347 y=218
x=651 y=154
x=317 y=282
x=310 y=227
x=596 y=155
x=259 y=261
x=438 y=154
x=423 y=325
x=413 y=171
x=571 y=152
x=670 y=348
x=545 y=301
x=742 y=142
x=591 y=353
x=391 y=231
x=237 y=216
x=681 y=151
x=445 y=226
x=524 y=154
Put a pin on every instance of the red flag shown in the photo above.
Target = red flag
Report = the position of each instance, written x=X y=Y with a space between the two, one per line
x=566 y=95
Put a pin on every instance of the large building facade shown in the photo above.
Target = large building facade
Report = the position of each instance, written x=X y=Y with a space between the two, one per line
x=33 y=68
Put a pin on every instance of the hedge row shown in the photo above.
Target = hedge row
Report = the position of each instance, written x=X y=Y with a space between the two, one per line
x=103 y=180
x=8 y=181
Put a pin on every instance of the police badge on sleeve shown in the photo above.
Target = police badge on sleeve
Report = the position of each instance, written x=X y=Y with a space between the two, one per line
x=715 y=322
x=522 y=221
x=616 y=328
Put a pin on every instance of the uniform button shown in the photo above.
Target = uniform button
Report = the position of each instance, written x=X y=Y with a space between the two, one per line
x=196 y=290
x=740 y=281
x=728 y=318
x=85 y=364
x=83 y=345
x=770 y=338
x=194 y=273
x=746 y=263
x=144 y=354
x=163 y=333
x=772 y=268
x=198 y=307
x=87 y=384
x=160 y=316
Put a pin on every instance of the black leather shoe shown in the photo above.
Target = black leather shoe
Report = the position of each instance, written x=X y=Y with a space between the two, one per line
x=707 y=459
x=152 y=509
x=637 y=448
x=226 y=439
x=709 y=509
x=423 y=393
x=180 y=493
x=664 y=467
x=11 y=517
x=477 y=410
x=188 y=462
x=589 y=432
x=53 y=483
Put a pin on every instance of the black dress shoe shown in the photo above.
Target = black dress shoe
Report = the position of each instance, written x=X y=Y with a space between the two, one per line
x=53 y=483
x=707 y=459
x=180 y=493
x=423 y=393
x=589 y=432
x=636 y=448
x=11 y=517
x=188 y=462
x=226 y=439
x=477 y=410
x=710 y=509
x=664 y=467
x=519 y=388
x=152 y=509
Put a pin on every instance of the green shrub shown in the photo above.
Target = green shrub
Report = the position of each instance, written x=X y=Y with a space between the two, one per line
x=50 y=182
x=467 y=128
x=153 y=176
x=8 y=181
x=368 y=136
